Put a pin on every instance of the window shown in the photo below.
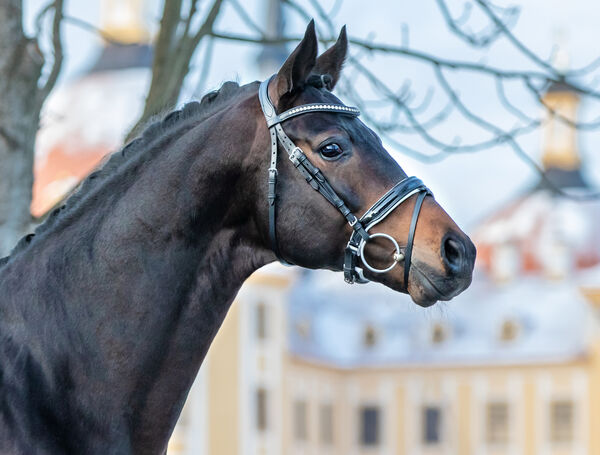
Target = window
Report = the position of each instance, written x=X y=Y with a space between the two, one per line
x=557 y=260
x=300 y=424
x=439 y=334
x=261 y=409
x=432 y=422
x=261 y=321
x=561 y=421
x=303 y=328
x=497 y=423
x=326 y=424
x=509 y=331
x=505 y=262
x=369 y=426
x=370 y=337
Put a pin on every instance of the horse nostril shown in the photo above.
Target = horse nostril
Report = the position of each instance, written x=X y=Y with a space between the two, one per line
x=453 y=252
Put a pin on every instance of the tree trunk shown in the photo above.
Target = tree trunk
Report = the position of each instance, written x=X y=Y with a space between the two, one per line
x=21 y=99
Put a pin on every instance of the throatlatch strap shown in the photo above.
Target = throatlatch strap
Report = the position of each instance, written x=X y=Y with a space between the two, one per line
x=311 y=173
x=272 y=196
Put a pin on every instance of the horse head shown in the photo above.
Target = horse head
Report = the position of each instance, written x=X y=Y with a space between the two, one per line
x=399 y=235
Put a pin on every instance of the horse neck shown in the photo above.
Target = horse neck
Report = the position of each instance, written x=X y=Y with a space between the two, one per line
x=152 y=269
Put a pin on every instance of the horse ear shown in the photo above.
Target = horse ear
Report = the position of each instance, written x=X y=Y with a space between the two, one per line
x=298 y=66
x=331 y=61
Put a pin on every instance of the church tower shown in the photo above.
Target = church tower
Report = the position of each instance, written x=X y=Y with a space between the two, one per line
x=560 y=153
x=539 y=232
x=122 y=20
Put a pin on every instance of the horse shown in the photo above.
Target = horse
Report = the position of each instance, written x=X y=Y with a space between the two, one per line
x=108 y=309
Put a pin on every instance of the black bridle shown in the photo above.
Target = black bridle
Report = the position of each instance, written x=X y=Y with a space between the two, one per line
x=315 y=178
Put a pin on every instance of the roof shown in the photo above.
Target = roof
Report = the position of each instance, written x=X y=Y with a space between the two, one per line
x=117 y=56
x=535 y=225
x=560 y=86
x=327 y=323
x=563 y=179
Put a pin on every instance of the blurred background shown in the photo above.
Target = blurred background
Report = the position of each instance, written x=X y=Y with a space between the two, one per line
x=493 y=105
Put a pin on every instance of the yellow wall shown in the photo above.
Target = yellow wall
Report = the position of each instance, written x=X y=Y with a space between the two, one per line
x=455 y=389
x=402 y=391
x=464 y=417
x=401 y=418
x=594 y=393
x=529 y=414
x=223 y=391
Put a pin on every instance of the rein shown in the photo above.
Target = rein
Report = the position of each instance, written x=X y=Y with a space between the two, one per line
x=360 y=236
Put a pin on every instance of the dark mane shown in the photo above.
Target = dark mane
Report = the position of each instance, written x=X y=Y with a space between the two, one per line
x=158 y=129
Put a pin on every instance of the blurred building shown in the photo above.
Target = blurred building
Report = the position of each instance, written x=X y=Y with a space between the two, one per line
x=86 y=119
x=540 y=233
x=305 y=364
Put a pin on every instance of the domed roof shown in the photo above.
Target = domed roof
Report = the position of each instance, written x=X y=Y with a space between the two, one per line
x=328 y=321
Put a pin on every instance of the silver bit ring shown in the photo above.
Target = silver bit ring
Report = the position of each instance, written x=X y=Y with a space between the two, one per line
x=397 y=254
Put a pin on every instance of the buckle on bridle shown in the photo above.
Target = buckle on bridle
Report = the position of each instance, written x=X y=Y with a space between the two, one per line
x=295 y=155
x=352 y=247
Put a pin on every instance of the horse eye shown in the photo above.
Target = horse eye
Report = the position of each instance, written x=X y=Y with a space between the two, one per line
x=331 y=151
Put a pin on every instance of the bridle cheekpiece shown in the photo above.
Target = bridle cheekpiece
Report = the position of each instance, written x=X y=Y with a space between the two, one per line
x=399 y=193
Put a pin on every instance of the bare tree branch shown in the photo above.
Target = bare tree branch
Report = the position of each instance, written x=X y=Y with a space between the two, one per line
x=480 y=39
x=208 y=54
x=510 y=140
x=243 y=14
x=404 y=115
x=57 y=48
x=538 y=94
x=21 y=96
x=423 y=57
x=209 y=23
x=173 y=53
x=87 y=26
x=190 y=17
x=509 y=105
x=532 y=56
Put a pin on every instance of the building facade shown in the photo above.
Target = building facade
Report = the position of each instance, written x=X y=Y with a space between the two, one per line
x=305 y=364
x=524 y=386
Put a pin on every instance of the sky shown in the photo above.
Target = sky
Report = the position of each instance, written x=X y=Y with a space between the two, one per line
x=468 y=186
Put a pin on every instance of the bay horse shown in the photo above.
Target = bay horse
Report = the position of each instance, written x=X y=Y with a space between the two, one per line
x=108 y=310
